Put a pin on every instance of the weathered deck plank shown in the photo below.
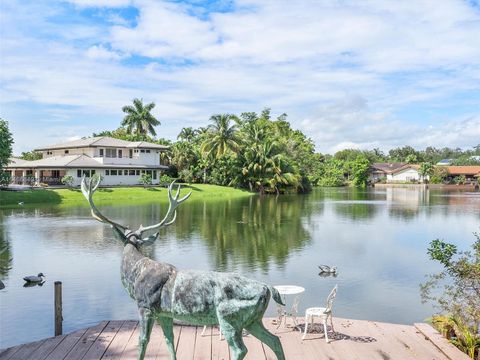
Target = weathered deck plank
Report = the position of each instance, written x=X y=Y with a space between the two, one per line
x=203 y=344
x=6 y=354
x=26 y=351
x=120 y=340
x=66 y=345
x=353 y=339
x=85 y=342
x=188 y=336
x=102 y=342
x=220 y=349
x=436 y=338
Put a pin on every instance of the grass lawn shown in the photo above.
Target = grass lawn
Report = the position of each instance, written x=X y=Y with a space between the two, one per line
x=115 y=195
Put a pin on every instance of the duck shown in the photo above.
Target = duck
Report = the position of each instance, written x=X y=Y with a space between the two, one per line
x=327 y=269
x=34 y=279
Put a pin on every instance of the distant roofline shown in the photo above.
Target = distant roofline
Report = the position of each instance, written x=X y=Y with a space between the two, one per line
x=129 y=144
x=70 y=162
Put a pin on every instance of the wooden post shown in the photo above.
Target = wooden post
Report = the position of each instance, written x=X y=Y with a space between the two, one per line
x=58 y=308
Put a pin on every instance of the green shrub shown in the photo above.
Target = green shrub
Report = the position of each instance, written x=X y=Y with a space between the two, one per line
x=67 y=180
x=145 y=179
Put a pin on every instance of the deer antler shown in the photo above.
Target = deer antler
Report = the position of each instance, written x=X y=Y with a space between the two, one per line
x=87 y=191
x=172 y=209
x=125 y=233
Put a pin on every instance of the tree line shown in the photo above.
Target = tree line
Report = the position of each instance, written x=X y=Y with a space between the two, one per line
x=265 y=154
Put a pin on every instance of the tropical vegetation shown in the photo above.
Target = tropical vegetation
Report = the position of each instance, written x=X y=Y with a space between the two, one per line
x=459 y=302
x=138 y=119
x=6 y=142
x=256 y=152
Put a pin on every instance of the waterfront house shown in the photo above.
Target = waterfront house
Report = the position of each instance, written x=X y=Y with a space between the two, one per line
x=119 y=162
x=395 y=173
x=470 y=172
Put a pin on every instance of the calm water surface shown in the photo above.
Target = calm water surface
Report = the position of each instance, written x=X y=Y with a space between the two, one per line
x=376 y=238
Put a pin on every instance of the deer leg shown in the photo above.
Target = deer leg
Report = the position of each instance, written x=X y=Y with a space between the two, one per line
x=273 y=342
x=234 y=339
x=146 y=325
x=167 y=326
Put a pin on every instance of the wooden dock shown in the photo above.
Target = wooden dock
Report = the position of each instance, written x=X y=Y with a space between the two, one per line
x=353 y=339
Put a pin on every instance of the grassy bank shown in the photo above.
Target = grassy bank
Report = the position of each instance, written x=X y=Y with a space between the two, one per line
x=122 y=195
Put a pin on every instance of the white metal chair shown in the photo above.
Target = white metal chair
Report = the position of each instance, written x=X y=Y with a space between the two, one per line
x=205 y=328
x=322 y=312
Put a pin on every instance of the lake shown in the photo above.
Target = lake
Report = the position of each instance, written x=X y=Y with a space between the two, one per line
x=377 y=238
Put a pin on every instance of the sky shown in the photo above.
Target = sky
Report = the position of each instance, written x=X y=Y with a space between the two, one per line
x=349 y=74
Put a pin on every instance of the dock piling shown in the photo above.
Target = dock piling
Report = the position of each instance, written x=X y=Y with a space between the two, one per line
x=58 y=308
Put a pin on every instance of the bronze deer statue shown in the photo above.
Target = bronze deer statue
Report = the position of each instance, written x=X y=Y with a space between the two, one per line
x=164 y=293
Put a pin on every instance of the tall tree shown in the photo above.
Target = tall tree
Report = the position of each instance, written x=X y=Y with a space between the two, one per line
x=222 y=135
x=187 y=134
x=6 y=142
x=138 y=119
x=426 y=169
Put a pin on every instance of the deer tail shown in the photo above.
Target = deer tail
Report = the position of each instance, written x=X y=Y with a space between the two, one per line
x=276 y=296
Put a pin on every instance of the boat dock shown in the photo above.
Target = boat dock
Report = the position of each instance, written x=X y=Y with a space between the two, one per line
x=352 y=339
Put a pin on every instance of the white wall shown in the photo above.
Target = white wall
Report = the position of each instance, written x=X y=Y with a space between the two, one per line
x=405 y=176
x=138 y=158
x=87 y=151
x=109 y=180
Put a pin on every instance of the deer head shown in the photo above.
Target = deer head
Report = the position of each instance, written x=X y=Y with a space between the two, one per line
x=134 y=237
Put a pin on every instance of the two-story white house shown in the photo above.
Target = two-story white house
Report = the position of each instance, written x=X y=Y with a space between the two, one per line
x=119 y=162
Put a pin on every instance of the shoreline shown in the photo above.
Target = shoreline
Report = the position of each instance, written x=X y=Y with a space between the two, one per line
x=113 y=195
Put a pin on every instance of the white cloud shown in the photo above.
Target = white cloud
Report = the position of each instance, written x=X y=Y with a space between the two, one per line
x=351 y=123
x=343 y=71
x=164 y=30
x=101 y=3
x=101 y=53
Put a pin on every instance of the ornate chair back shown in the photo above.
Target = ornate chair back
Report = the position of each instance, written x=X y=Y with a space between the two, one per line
x=330 y=299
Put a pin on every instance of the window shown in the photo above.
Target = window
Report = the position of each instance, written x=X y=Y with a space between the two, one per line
x=125 y=172
x=101 y=152
x=49 y=153
x=107 y=172
x=147 y=151
x=130 y=153
x=120 y=153
x=131 y=172
x=66 y=151
x=135 y=151
x=111 y=153
x=142 y=151
x=87 y=173
x=113 y=172
x=154 y=174
x=137 y=172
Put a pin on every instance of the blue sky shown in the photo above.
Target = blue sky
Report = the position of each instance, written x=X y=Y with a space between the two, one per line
x=348 y=73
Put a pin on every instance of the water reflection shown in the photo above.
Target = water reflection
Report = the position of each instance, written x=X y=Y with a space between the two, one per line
x=5 y=254
x=376 y=238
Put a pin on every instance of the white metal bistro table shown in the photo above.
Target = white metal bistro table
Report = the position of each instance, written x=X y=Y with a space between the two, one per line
x=285 y=290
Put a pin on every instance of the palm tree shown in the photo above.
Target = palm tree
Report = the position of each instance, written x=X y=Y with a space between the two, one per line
x=222 y=136
x=138 y=119
x=187 y=134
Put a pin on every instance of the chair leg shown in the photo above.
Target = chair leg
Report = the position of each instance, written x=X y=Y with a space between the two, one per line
x=331 y=322
x=325 y=329
x=306 y=327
